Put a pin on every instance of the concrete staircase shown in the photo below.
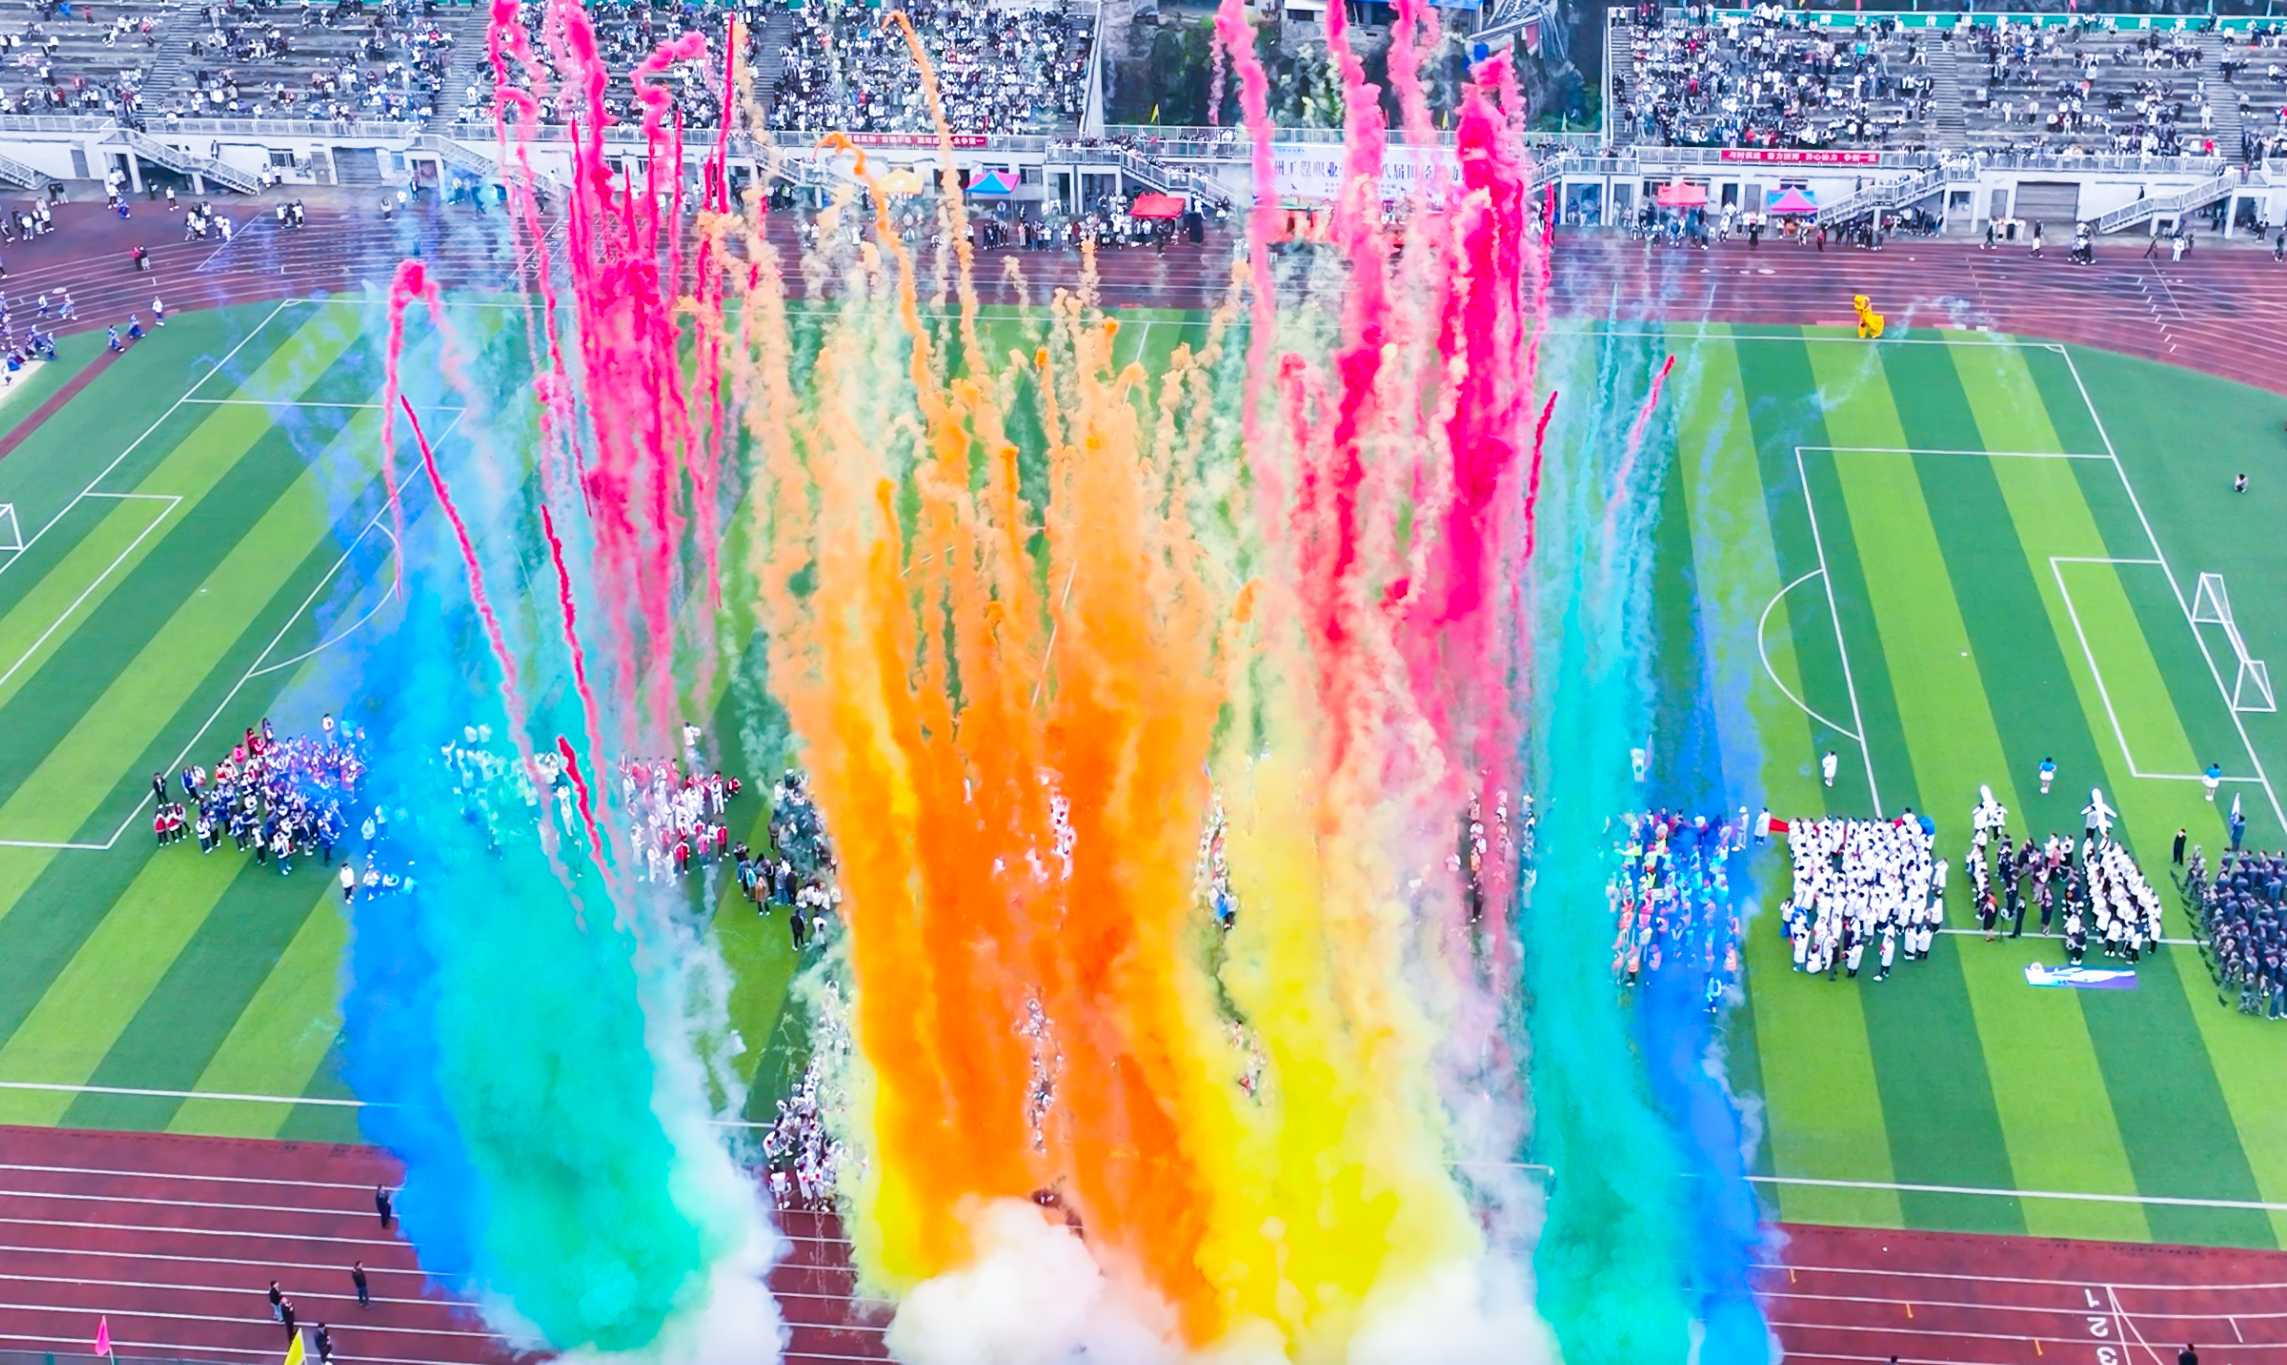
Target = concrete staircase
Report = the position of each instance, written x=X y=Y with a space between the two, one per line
x=770 y=55
x=167 y=79
x=189 y=163
x=2169 y=206
x=1619 y=73
x=2224 y=99
x=471 y=64
x=17 y=173
x=1949 y=128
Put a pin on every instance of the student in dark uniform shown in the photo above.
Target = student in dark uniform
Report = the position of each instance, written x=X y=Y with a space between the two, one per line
x=357 y=1280
x=2177 y=856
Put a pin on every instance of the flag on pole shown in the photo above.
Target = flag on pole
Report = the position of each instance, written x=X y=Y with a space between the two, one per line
x=103 y=1336
x=294 y=1350
x=2235 y=803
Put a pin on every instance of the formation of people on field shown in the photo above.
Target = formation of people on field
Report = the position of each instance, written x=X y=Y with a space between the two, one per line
x=797 y=869
x=1861 y=886
x=278 y=798
x=2089 y=890
x=1671 y=901
x=2240 y=914
x=803 y=1156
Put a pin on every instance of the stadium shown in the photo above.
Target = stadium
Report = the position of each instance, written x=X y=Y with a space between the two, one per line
x=1038 y=682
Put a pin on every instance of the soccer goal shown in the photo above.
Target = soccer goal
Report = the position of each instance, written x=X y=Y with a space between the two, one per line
x=2251 y=685
x=11 y=535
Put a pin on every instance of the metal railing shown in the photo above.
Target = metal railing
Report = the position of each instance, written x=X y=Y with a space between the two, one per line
x=17 y=173
x=189 y=163
x=1891 y=194
x=2206 y=192
x=376 y=129
x=2140 y=165
x=57 y=123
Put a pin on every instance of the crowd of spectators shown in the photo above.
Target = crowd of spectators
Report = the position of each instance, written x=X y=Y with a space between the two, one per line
x=1769 y=77
x=69 y=60
x=2086 y=84
x=625 y=35
x=383 y=61
x=999 y=70
x=1763 y=78
x=2237 y=914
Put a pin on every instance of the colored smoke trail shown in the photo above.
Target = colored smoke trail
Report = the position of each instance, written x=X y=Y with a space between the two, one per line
x=525 y=1061
x=1343 y=571
x=1030 y=696
x=1607 y=1263
x=526 y=1018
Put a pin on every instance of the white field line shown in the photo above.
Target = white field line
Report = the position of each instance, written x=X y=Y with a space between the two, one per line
x=170 y=1094
x=1762 y=628
x=169 y=1349
x=188 y=1175
x=2069 y=1309
x=1842 y=648
x=131 y=447
x=172 y=502
x=2069 y=1196
x=307 y=1211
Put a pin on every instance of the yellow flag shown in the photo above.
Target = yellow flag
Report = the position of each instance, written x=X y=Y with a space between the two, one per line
x=294 y=1351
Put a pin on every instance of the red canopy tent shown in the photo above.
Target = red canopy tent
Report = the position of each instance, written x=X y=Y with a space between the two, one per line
x=1157 y=206
x=1682 y=195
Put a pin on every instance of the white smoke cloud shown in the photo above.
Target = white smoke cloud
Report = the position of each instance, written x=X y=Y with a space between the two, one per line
x=1461 y=1313
x=1034 y=1295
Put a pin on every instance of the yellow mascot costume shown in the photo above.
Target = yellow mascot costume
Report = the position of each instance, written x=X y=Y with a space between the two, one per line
x=1869 y=321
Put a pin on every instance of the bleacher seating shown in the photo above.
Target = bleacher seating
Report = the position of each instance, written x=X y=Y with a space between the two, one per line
x=625 y=35
x=1767 y=80
x=350 y=60
x=999 y=69
x=80 y=62
x=2087 y=86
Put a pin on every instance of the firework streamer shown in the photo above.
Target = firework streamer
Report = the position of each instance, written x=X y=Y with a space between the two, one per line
x=1607 y=1264
x=524 y=1015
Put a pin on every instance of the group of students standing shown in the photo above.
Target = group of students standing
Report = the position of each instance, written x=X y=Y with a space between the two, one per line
x=280 y=798
x=1670 y=896
x=797 y=870
x=2099 y=889
x=1859 y=884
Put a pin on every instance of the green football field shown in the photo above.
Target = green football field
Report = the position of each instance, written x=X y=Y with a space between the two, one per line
x=1943 y=557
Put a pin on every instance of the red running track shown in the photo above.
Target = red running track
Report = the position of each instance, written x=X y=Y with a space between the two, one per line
x=175 y=1239
x=2222 y=311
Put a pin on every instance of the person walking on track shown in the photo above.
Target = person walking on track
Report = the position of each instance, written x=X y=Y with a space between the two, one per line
x=357 y=1278
x=383 y=1206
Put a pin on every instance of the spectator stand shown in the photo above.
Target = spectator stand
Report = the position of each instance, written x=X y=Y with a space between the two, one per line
x=382 y=60
x=68 y=60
